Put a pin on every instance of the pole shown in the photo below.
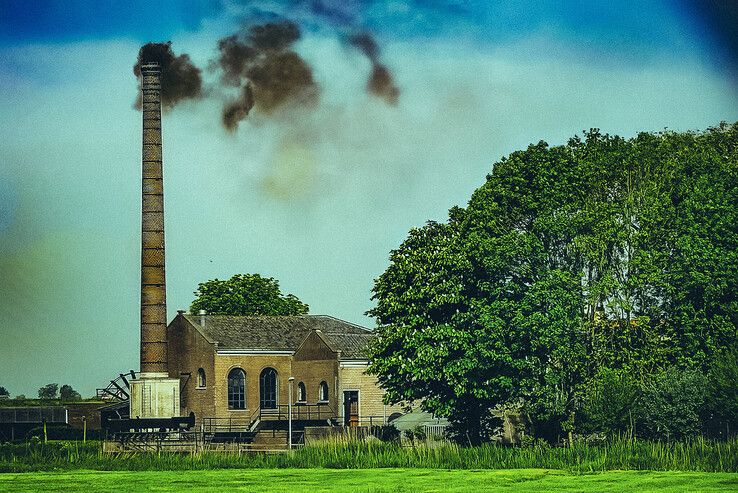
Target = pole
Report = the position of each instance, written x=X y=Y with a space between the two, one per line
x=45 y=436
x=289 y=412
x=84 y=429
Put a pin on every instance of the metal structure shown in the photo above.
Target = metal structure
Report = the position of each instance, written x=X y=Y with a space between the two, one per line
x=118 y=388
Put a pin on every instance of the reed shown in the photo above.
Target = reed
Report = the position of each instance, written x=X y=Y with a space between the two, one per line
x=345 y=453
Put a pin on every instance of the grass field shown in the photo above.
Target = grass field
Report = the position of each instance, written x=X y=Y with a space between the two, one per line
x=367 y=480
x=619 y=455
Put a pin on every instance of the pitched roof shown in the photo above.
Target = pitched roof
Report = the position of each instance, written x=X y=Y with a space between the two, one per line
x=283 y=333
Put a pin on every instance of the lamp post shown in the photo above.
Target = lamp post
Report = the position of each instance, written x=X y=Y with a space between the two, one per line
x=289 y=413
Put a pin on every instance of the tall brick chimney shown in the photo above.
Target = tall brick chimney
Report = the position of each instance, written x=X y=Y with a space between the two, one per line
x=153 y=281
x=153 y=394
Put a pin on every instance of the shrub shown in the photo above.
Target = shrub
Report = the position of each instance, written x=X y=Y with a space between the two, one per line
x=671 y=405
x=721 y=408
x=609 y=402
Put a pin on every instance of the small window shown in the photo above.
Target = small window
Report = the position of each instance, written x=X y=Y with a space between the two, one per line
x=236 y=389
x=201 y=384
x=323 y=392
x=301 y=393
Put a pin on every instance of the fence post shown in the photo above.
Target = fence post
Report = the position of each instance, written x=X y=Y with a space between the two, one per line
x=45 y=436
x=84 y=429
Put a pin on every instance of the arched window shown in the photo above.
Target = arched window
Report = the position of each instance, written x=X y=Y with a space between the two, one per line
x=268 y=389
x=323 y=392
x=301 y=392
x=236 y=389
x=201 y=379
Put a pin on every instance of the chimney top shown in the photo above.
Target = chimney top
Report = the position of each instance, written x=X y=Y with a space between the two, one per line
x=202 y=317
x=180 y=312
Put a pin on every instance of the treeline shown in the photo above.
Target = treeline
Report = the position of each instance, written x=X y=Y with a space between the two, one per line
x=590 y=286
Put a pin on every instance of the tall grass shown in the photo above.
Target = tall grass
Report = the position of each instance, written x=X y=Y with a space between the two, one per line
x=342 y=453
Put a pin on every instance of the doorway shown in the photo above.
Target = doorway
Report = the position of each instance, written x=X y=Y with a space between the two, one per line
x=351 y=408
x=268 y=389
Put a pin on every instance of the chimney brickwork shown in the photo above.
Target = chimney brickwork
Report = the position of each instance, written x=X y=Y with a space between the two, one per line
x=153 y=284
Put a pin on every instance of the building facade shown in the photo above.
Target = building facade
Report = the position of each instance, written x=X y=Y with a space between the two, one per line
x=237 y=369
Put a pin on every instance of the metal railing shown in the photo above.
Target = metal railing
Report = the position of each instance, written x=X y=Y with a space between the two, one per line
x=39 y=415
x=300 y=412
x=227 y=424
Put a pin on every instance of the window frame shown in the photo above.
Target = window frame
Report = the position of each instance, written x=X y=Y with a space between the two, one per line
x=230 y=394
x=202 y=381
x=301 y=393
x=323 y=396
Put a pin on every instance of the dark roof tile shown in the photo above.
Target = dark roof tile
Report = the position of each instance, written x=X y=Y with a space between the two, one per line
x=284 y=333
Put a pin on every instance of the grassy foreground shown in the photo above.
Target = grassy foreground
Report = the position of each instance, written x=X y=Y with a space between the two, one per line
x=619 y=455
x=369 y=480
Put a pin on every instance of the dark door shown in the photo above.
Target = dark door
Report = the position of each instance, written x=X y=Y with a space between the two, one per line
x=268 y=389
x=351 y=408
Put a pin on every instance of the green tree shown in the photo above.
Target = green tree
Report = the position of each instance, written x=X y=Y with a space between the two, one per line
x=4 y=391
x=49 y=391
x=245 y=294
x=601 y=253
x=67 y=393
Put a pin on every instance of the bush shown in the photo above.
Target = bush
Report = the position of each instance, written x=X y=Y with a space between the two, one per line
x=386 y=433
x=609 y=402
x=671 y=405
x=721 y=408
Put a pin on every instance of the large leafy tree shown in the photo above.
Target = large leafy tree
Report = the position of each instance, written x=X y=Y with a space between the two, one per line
x=601 y=253
x=246 y=294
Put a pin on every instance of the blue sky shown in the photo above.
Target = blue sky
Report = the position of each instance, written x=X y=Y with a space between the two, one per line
x=314 y=198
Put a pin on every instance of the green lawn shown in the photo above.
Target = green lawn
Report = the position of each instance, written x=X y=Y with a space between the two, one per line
x=365 y=480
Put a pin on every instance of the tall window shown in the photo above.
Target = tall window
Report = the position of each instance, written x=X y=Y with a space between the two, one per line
x=201 y=379
x=301 y=393
x=323 y=392
x=236 y=389
x=268 y=389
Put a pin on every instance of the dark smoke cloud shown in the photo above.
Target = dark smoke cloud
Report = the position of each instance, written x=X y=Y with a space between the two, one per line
x=274 y=35
x=381 y=82
x=383 y=85
x=180 y=78
x=233 y=58
x=366 y=43
x=237 y=110
x=260 y=61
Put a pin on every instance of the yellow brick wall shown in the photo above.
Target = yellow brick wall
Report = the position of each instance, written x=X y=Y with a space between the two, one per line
x=188 y=351
x=370 y=394
x=312 y=363
x=315 y=362
x=252 y=364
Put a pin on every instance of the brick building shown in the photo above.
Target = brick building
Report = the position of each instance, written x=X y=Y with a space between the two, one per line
x=237 y=369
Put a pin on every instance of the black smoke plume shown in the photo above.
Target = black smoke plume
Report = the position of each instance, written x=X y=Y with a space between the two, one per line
x=381 y=82
x=237 y=110
x=260 y=61
x=180 y=78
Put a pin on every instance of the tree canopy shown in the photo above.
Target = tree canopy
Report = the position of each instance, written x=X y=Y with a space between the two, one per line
x=67 y=393
x=48 y=391
x=246 y=294
x=604 y=253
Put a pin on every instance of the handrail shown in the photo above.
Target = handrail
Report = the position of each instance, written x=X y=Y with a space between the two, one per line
x=318 y=411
